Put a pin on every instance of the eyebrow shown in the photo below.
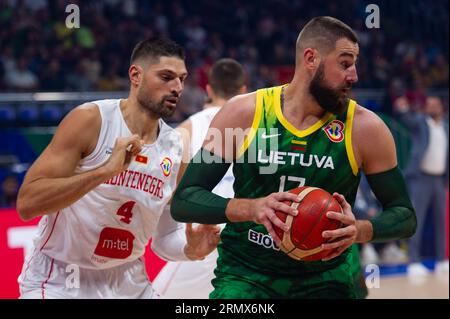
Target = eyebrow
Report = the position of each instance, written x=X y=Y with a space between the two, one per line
x=172 y=72
x=347 y=54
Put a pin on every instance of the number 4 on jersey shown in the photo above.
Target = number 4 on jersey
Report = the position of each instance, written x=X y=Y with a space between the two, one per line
x=126 y=212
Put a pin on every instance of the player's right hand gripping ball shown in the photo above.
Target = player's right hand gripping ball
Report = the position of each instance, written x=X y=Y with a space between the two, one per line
x=304 y=239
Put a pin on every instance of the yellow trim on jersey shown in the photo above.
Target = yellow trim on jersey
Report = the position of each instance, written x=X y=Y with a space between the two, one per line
x=255 y=124
x=299 y=133
x=299 y=142
x=348 y=137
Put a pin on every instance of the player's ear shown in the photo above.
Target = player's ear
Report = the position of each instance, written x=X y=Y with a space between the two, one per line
x=209 y=91
x=135 y=74
x=311 y=58
x=243 y=89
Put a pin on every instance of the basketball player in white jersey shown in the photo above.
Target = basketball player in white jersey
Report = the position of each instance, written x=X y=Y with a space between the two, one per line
x=102 y=184
x=178 y=280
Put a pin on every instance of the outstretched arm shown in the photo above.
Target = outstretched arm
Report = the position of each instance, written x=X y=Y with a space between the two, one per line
x=174 y=242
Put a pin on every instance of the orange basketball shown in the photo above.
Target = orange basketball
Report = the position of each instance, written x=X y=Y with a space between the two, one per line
x=304 y=239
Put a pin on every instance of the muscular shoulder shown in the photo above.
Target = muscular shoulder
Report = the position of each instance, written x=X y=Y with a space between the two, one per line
x=373 y=142
x=367 y=122
x=87 y=114
x=81 y=127
x=233 y=120
x=238 y=112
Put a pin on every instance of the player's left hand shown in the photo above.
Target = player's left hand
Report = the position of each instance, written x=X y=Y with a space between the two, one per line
x=201 y=240
x=345 y=236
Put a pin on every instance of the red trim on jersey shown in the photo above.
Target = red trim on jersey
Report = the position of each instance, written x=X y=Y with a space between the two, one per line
x=298 y=148
x=51 y=232
x=49 y=274
x=28 y=264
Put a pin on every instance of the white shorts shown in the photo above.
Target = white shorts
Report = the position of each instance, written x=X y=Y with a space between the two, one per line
x=187 y=279
x=43 y=277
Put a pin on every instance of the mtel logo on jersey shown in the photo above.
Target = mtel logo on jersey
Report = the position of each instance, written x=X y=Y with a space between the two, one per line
x=166 y=166
x=335 y=131
x=115 y=243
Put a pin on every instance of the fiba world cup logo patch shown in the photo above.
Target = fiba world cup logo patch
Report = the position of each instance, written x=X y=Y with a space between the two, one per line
x=335 y=131
x=166 y=166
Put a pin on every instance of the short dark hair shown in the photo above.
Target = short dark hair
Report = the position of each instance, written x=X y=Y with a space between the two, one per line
x=154 y=48
x=322 y=33
x=226 y=78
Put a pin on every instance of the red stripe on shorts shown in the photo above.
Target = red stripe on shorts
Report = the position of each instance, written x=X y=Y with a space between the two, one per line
x=51 y=232
x=49 y=274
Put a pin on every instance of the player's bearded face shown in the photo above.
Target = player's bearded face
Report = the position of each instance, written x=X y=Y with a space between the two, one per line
x=333 y=100
x=157 y=107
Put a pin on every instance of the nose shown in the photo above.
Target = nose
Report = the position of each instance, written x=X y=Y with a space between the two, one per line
x=177 y=86
x=352 y=75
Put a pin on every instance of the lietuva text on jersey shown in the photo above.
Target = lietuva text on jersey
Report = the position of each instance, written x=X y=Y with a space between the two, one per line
x=277 y=157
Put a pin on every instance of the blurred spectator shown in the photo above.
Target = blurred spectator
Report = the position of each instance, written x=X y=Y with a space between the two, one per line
x=35 y=5
x=208 y=30
x=417 y=96
x=52 y=77
x=78 y=81
x=92 y=67
x=111 y=81
x=19 y=77
x=195 y=33
x=9 y=189
x=381 y=71
x=85 y=38
x=266 y=77
x=396 y=89
x=427 y=175
x=281 y=57
x=7 y=58
x=438 y=75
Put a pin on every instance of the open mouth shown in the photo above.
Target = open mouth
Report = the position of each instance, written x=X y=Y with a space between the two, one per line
x=171 y=101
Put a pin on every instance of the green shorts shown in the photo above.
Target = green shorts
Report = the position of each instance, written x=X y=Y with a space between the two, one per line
x=235 y=280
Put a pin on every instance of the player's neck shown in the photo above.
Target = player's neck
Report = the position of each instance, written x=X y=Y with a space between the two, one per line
x=298 y=103
x=214 y=103
x=436 y=118
x=139 y=121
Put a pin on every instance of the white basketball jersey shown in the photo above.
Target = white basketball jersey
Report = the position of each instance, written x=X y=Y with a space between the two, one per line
x=187 y=280
x=200 y=123
x=112 y=224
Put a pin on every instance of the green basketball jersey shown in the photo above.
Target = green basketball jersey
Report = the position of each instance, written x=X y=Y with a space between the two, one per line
x=278 y=157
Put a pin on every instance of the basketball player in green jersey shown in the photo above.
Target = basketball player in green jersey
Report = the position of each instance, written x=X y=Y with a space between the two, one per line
x=305 y=133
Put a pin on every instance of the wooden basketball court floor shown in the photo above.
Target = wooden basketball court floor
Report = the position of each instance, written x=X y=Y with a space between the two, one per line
x=433 y=286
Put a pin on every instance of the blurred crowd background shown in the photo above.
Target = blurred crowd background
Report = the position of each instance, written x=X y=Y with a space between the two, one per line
x=409 y=53
x=407 y=58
